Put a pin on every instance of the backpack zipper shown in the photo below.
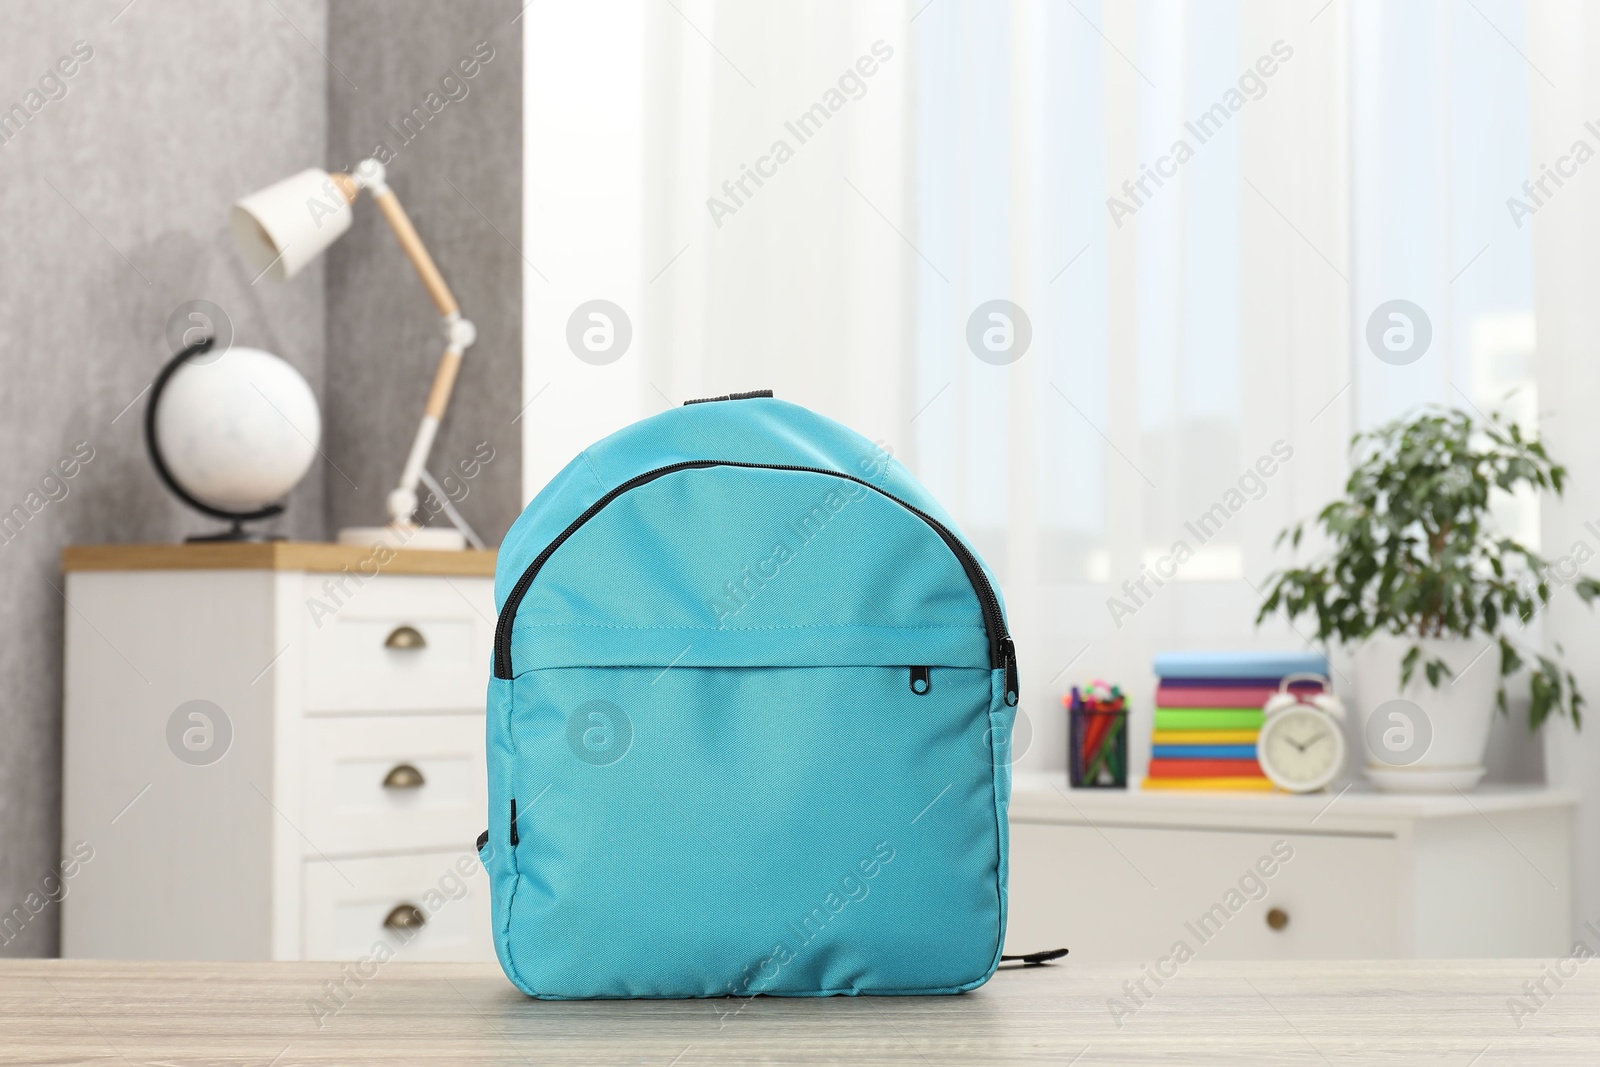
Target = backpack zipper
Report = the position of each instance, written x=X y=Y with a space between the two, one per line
x=1002 y=653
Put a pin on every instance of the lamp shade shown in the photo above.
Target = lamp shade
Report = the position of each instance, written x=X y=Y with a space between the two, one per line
x=286 y=225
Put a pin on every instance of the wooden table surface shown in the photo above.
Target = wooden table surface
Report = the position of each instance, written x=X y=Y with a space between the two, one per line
x=318 y=556
x=1325 y=1013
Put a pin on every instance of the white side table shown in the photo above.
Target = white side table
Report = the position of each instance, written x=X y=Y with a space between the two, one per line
x=1126 y=875
x=275 y=751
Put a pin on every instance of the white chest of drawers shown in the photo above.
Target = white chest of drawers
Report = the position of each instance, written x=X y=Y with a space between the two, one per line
x=1127 y=876
x=275 y=752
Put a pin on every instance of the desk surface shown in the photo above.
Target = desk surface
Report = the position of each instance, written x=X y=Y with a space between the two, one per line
x=1449 y=1013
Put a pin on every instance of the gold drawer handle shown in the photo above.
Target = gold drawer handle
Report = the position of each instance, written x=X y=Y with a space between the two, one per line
x=406 y=918
x=1277 y=918
x=405 y=639
x=404 y=776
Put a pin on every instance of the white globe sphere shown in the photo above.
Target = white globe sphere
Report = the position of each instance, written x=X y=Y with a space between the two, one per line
x=238 y=431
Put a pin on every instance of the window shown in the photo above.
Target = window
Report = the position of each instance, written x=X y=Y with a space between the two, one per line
x=1195 y=316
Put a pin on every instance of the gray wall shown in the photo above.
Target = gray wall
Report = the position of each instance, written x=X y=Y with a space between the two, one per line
x=383 y=331
x=184 y=106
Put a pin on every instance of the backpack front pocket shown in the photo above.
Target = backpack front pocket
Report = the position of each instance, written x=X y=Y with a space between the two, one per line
x=713 y=831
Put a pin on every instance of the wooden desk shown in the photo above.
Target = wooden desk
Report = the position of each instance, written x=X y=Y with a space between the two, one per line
x=1268 y=1013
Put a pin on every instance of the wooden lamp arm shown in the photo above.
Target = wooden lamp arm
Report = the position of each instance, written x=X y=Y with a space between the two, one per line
x=459 y=332
x=416 y=251
x=372 y=177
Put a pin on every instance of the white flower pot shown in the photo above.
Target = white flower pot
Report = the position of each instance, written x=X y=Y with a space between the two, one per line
x=1420 y=739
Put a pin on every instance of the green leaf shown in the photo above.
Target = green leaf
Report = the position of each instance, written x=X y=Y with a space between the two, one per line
x=1437 y=671
x=1408 y=664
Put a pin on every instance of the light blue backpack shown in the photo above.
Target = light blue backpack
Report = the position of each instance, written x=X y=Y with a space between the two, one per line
x=748 y=724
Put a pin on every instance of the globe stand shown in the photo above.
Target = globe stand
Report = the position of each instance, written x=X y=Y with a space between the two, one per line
x=236 y=534
x=236 y=531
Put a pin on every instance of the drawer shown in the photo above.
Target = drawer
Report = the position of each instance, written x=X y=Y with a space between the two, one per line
x=394 y=783
x=397 y=643
x=1131 y=893
x=347 y=905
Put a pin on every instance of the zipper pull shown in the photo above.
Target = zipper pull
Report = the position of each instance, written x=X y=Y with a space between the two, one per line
x=921 y=680
x=1008 y=658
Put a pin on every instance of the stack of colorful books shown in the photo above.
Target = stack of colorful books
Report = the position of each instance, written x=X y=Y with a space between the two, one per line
x=1208 y=714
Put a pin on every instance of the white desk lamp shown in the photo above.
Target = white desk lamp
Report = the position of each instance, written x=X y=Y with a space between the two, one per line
x=285 y=226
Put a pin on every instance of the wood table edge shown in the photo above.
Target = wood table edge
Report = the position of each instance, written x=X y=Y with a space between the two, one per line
x=313 y=556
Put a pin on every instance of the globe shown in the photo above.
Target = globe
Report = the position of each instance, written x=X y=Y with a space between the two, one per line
x=238 y=430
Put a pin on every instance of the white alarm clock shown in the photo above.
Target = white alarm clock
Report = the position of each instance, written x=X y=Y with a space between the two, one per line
x=1301 y=746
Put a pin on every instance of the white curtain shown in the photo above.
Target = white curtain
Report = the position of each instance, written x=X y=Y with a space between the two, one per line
x=1171 y=349
x=1564 y=93
x=938 y=155
x=645 y=123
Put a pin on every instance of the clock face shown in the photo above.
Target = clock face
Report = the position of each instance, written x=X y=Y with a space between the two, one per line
x=1301 y=749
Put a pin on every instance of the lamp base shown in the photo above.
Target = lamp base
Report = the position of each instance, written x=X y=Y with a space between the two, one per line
x=397 y=535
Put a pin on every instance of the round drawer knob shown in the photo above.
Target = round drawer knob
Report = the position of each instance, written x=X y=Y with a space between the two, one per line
x=405 y=639
x=404 y=776
x=1277 y=918
x=406 y=918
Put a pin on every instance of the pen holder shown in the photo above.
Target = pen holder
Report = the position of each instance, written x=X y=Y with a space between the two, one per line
x=1097 y=746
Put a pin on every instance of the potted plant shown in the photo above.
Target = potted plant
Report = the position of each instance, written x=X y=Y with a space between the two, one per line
x=1423 y=587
